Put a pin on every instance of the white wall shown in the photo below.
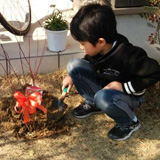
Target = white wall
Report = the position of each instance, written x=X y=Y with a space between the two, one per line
x=134 y=27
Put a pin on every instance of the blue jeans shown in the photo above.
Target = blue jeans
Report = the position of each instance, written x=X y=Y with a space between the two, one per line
x=117 y=105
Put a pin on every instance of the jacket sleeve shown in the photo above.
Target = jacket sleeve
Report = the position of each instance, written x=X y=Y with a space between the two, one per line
x=144 y=71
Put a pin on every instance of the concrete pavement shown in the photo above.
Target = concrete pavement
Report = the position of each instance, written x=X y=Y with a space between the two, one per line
x=34 y=44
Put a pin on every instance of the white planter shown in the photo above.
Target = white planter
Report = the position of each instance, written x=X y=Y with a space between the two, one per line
x=56 y=40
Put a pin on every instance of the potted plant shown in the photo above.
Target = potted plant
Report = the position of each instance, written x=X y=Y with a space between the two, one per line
x=56 y=29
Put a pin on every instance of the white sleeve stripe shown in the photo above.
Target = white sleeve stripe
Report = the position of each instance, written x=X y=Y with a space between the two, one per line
x=126 y=88
x=130 y=87
x=139 y=93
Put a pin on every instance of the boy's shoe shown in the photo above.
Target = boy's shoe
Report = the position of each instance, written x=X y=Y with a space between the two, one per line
x=85 y=110
x=122 y=132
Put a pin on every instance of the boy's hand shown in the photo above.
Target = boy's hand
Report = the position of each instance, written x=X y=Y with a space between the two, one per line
x=114 y=85
x=67 y=82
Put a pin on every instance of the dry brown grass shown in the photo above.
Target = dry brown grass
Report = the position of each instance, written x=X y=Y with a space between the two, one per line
x=86 y=139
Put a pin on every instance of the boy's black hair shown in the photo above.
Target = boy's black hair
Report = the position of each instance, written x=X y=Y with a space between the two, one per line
x=94 y=21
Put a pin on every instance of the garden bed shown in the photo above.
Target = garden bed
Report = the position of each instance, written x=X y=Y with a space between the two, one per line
x=71 y=138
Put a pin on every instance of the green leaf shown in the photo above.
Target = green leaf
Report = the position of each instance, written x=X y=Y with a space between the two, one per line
x=55 y=21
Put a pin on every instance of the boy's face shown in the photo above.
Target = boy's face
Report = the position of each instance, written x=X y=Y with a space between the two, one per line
x=89 y=48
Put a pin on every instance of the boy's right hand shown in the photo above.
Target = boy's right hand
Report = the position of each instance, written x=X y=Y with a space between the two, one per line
x=67 y=82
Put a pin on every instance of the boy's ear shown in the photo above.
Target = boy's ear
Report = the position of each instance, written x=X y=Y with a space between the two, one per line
x=101 y=41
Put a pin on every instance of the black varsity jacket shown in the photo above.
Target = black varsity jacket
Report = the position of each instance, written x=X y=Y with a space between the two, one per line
x=127 y=64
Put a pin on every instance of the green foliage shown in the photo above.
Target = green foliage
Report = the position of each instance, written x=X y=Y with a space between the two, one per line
x=154 y=2
x=152 y=15
x=55 y=21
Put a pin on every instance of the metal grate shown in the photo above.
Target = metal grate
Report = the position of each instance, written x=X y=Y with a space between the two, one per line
x=129 y=3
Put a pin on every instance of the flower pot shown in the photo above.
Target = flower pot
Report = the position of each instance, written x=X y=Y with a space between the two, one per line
x=56 y=40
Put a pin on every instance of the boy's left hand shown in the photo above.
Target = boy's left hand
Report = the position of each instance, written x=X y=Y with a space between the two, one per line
x=114 y=85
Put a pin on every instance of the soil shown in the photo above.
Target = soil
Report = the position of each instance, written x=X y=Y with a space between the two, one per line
x=40 y=124
x=65 y=137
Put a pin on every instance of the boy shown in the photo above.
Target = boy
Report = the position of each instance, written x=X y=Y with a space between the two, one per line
x=113 y=75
